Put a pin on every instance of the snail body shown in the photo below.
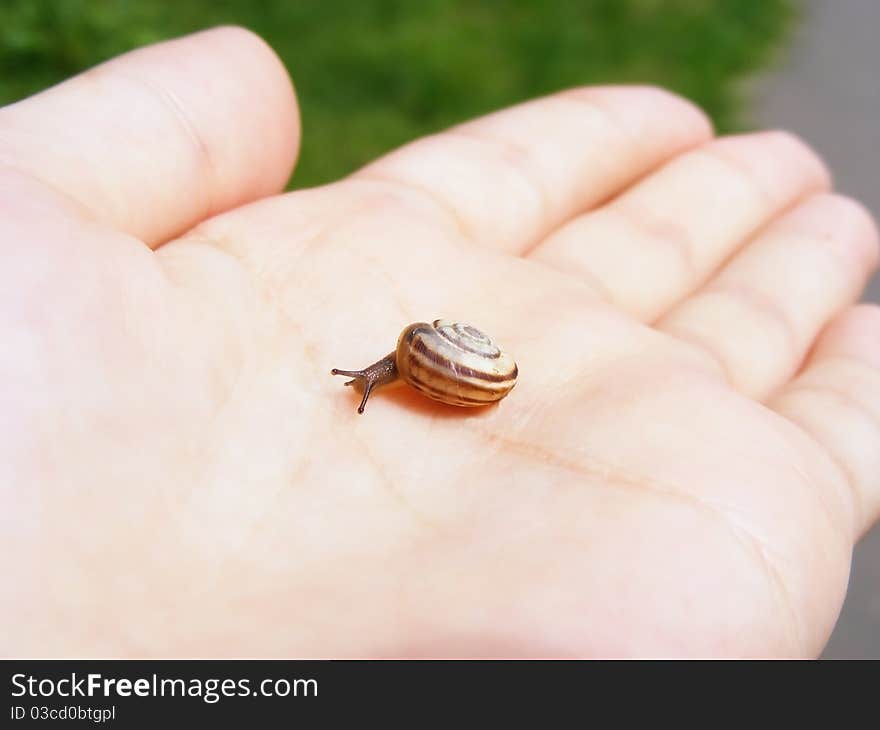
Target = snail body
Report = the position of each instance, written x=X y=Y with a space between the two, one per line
x=447 y=361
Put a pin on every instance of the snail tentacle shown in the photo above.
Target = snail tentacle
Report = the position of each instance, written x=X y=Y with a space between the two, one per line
x=380 y=373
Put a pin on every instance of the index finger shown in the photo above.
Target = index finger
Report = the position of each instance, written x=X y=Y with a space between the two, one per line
x=510 y=178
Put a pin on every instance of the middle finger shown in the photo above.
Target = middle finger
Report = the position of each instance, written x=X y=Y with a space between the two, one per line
x=663 y=238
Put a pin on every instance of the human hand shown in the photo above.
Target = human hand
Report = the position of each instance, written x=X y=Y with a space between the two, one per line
x=690 y=453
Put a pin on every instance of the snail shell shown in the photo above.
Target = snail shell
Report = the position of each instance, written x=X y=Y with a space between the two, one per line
x=454 y=363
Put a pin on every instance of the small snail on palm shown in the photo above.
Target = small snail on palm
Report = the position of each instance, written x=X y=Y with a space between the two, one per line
x=447 y=361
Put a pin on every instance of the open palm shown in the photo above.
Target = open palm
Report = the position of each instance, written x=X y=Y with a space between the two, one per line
x=691 y=450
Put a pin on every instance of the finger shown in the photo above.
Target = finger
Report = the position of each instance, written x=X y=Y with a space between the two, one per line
x=836 y=399
x=760 y=314
x=158 y=139
x=511 y=177
x=662 y=238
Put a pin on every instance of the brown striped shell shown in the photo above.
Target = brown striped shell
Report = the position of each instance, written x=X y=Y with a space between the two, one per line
x=454 y=363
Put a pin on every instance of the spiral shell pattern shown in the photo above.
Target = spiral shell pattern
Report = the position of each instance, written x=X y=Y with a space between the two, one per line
x=454 y=363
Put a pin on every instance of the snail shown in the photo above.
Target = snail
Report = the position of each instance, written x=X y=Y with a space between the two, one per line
x=447 y=361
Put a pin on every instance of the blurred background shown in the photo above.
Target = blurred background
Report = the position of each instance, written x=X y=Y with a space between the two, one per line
x=372 y=74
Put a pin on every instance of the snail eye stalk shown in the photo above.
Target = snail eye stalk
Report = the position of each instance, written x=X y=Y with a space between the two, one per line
x=379 y=373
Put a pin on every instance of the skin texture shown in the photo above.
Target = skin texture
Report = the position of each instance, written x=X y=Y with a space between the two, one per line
x=689 y=455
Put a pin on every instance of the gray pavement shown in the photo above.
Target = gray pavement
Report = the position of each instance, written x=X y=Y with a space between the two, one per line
x=827 y=89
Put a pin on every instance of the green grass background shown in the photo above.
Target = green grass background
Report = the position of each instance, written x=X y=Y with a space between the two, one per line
x=372 y=74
